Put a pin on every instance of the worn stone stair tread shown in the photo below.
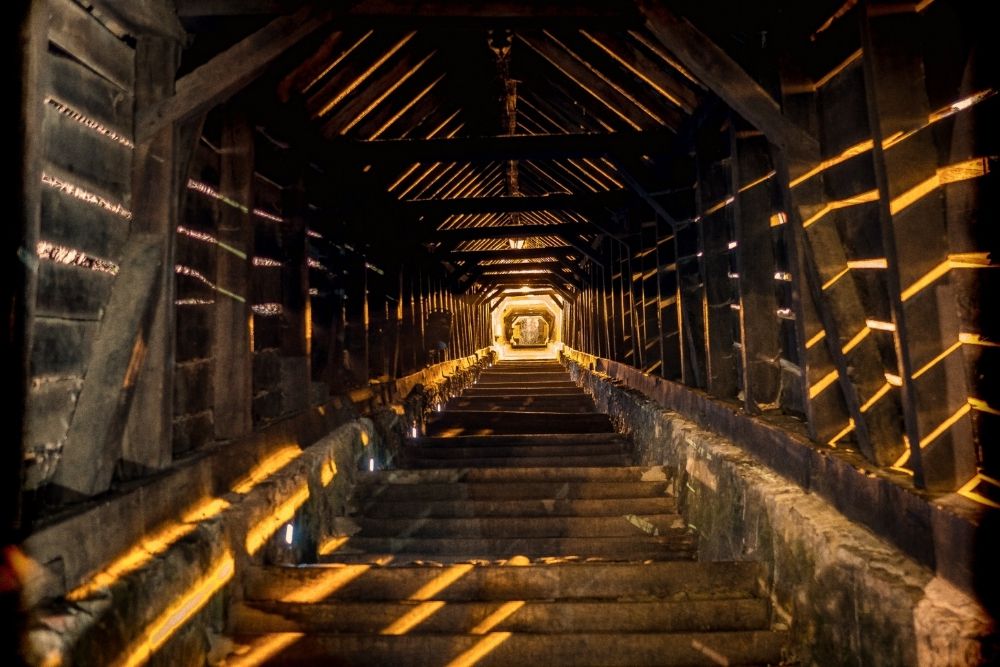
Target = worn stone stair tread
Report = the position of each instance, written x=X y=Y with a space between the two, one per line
x=524 y=461
x=535 y=616
x=515 y=475
x=555 y=490
x=516 y=527
x=758 y=647
x=514 y=451
x=538 y=507
x=535 y=439
x=521 y=390
x=679 y=580
x=637 y=546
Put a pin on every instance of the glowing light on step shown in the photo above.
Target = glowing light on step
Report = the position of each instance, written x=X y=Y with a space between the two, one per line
x=87 y=196
x=505 y=611
x=412 y=618
x=442 y=581
x=263 y=649
x=289 y=533
x=484 y=647
x=331 y=579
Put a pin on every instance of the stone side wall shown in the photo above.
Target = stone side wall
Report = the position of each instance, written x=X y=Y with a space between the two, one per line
x=847 y=596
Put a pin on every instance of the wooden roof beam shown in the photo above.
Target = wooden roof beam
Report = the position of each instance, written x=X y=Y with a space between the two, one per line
x=512 y=232
x=554 y=202
x=518 y=147
x=230 y=71
x=716 y=69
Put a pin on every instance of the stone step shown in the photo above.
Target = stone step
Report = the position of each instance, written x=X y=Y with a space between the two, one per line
x=536 y=616
x=522 y=462
x=582 y=474
x=629 y=525
x=531 y=491
x=458 y=549
x=582 y=404
x=518 y=649
x=672 y=580
x=523 y=376
x=527 y=384
x=516 y=422
x=521 y=390
x=514 y=451
x=542 y=506
x=510 y=439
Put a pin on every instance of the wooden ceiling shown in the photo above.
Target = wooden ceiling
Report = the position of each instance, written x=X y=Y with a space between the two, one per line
x=492 y=129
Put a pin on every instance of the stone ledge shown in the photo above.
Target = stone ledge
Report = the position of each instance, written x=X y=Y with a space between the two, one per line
x=129 y=617
x=847 y=595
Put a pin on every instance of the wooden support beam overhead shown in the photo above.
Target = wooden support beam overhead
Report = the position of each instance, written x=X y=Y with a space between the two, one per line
x=512 y=232
x=554 y=202
x=724 y=76
x=231 y=70
x=496 y=10
x=518 y=147
x=512 y=254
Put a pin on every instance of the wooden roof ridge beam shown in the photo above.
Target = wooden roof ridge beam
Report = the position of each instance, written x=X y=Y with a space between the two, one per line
x=521 y=146
x=232 y=70
x=513 y=231
x=440 y=208
x=716 y=69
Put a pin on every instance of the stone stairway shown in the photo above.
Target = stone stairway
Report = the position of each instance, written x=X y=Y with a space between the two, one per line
x=518 y=534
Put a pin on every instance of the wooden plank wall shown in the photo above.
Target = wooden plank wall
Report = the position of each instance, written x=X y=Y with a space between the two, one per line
x=843 y=288
x=85 y=218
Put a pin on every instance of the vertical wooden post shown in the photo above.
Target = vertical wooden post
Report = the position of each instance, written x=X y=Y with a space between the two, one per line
x=761 y=350
x=29 y=49
x=915 y=244
x=232 y=345
x=713 y=231
x=156 y=188
x=296 y=322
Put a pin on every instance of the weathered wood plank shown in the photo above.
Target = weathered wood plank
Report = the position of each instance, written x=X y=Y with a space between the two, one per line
x=157 y=179
x=233 y=386
x=94 y=440
x=897 y=103
x=89 y=94
x=759 y=330
x=72 y=292
x=73 y=223
x=78 y=33
x=230 y=71
x=61 y=347
x=142 y=18
x=92 y=159
x=714 y=68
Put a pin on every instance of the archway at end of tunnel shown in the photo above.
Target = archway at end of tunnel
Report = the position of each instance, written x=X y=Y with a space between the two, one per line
x=527 y=326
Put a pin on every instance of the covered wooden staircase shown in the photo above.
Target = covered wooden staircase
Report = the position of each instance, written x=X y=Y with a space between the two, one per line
x=518 y=533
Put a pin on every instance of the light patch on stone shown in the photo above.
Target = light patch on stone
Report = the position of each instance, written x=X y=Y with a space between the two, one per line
x=699 y=471
x=644 y=525
x=654 y=474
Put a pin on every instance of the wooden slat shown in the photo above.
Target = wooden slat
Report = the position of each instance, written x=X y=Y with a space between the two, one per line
x=913 y=240
x=230 y=71
x=61 y=347
x=71 y=292
x=78 y=33
x=73 y=223
x=95 y=161
x=143 y=18
x=89 y=94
